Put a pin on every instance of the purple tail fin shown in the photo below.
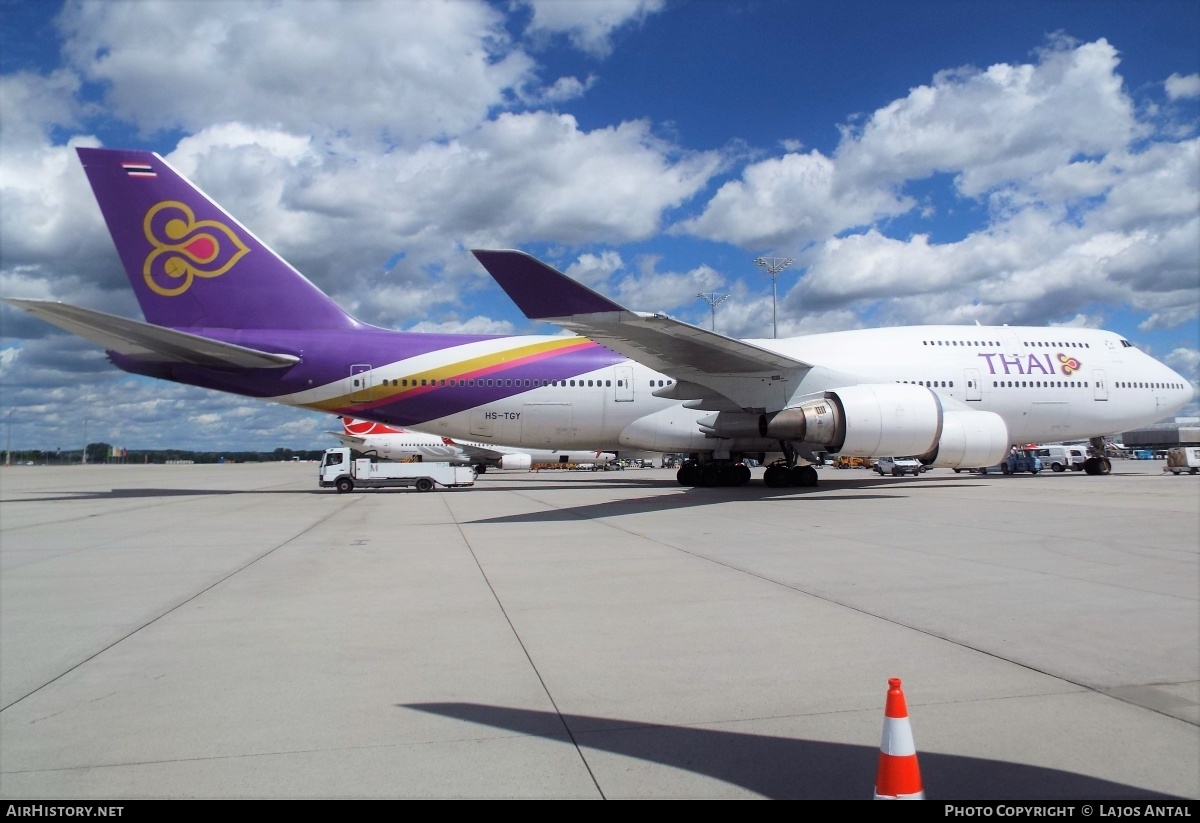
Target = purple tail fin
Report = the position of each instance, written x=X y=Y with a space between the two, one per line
x=190 y=263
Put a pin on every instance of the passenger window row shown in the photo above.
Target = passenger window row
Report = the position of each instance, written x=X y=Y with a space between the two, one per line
x=1039 y=384
x=1121 y=384
x=404 y=382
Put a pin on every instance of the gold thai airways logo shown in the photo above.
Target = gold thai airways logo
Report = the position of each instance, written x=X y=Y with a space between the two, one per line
x=186 y=248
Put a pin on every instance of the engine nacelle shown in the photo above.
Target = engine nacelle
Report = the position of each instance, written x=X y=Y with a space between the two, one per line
x=516 y=461
x=969 y=439
x=899 y=419
x=863 y=421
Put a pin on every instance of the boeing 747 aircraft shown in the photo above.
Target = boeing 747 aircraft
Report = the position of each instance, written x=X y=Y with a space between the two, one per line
x=391 y=443
x=225 y=312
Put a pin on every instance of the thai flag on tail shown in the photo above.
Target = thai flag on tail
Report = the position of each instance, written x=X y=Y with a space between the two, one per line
x=139 y=169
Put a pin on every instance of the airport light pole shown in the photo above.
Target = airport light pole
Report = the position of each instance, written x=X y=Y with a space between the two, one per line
x=8 y=441
x=712 y=298
x=773 y=266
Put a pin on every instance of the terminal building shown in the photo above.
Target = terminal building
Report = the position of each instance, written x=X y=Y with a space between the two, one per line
x=1184 y=431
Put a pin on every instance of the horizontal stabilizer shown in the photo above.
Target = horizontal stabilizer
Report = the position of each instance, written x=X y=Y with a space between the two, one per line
x=349 y=440
x=145 y=341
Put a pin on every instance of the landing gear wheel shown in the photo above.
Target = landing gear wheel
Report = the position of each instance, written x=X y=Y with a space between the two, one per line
x=776 y=476
x=708 y=476
x=740 y=474
x=688 y=474
x=802 y=476
x=1097 y=465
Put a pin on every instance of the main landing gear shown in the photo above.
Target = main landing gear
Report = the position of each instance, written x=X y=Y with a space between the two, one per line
x=785 y=472
x=712 y=473
x=780 y=475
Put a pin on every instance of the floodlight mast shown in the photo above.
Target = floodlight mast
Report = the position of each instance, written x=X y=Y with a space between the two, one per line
x=712 y=298
x=773 y=266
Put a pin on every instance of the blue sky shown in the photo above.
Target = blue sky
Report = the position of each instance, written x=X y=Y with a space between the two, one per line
x=940 y=162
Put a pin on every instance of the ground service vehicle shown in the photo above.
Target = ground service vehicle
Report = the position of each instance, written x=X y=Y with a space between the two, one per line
x=1061 y=458
x=1183 y=459
x=898 y=466
x=1021 y=460
x=340 y=470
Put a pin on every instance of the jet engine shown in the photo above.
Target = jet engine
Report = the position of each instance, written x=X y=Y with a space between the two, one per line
x=901 y=419
x=516 y=461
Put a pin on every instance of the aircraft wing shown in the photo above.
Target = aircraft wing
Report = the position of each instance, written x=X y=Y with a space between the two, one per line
x=708 y=366
x=145 y=341
x=480 y=452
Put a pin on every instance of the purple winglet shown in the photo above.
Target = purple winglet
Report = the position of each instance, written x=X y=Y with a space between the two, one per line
x=538 y=290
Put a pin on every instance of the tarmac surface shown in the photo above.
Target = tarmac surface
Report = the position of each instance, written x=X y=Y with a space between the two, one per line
x=231 y=631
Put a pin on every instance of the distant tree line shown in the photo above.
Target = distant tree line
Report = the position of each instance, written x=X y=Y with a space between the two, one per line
x=104 y=453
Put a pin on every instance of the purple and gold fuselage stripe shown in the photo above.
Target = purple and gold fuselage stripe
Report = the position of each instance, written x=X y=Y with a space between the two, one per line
x=471 y=369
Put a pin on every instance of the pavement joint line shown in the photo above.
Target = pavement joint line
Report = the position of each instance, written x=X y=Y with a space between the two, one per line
x=179 y=605
x=1082 y=686
x=500 y=603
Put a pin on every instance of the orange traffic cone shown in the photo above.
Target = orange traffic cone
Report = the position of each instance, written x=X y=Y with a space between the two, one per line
x=898 y=777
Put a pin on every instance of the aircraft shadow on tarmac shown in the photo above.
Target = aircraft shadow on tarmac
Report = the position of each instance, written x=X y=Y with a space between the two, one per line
x=787 y=768
x=694 y=496
x=867 y=488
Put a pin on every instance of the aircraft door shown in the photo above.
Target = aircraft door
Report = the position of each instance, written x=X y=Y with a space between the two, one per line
x=360 y=383
x=482 y=423
x=1100 y=384
x=974 y=388
x=623 y=384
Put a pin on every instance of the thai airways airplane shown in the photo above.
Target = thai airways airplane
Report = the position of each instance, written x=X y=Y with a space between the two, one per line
x=225 y=312
x=392 y=443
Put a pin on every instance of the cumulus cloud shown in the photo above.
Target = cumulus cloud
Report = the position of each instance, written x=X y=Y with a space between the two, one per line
x=1012 y=129
x=1180 y=86
x=589 y=24
x=397 y=73
x=475 y=325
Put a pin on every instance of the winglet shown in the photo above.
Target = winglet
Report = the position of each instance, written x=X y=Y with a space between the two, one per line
x=539 y=290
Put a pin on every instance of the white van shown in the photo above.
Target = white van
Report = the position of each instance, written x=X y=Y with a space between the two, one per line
x=1061 y=458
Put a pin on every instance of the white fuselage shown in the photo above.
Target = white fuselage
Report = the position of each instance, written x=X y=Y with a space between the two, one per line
x=1047 y=383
